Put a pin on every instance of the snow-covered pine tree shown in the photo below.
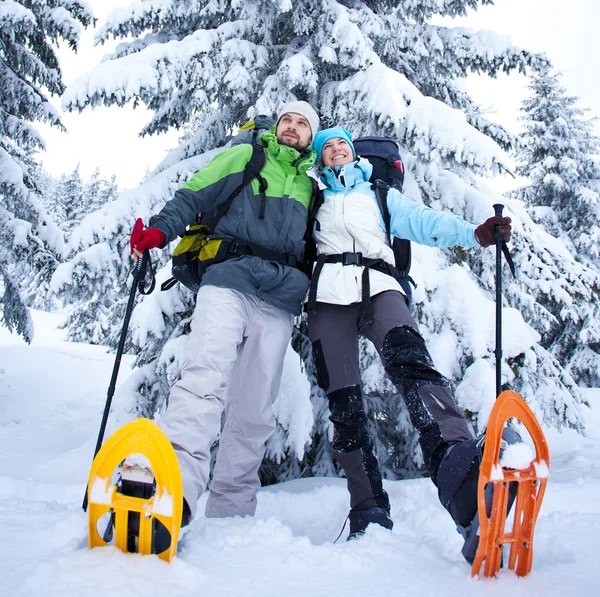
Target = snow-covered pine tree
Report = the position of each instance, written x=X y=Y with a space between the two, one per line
x=71 y=197
x=68 y=200
x=560 y=154
x=74 y=197
x=30 y=242
x=107 y=190
x=92 y=191
x=51 y=197
x=95 y=192
x=63 y=200
x=377 y=67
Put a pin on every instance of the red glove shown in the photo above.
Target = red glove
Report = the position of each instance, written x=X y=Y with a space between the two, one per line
x=484 y=234
x=145 y=239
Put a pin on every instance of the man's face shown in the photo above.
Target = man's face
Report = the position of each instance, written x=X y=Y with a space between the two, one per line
x=294 y=131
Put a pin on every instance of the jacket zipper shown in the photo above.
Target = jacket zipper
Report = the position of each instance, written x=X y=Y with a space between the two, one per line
x=343 y=181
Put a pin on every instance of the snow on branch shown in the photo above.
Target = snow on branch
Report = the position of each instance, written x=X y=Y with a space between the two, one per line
x=134 y=19
x=437 y=132
x=481 y=51
x=11 y=175
x=19 y=131
x=211 y=133
x=340 y=40
x=375 y=97
x=16 y=17
x=299 y=71
x=428 y=127
x=145 y=74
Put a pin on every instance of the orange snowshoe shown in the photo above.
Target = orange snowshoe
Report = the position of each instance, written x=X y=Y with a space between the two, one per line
x=501 y=484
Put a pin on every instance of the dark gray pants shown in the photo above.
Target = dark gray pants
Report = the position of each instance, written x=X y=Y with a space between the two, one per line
x=334 y=332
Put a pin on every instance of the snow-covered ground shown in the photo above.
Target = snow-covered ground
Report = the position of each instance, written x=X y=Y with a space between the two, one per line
x=52 y=395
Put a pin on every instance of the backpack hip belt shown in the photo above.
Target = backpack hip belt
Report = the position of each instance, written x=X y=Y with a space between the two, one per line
x=240 y=248
x=349 y=259
x=189 y=267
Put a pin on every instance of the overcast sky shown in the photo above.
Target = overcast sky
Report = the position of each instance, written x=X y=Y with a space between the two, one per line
x=108 y=137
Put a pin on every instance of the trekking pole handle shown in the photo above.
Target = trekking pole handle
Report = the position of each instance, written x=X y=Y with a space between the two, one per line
x=140 y=266
x=139 y=271
x=498 y=207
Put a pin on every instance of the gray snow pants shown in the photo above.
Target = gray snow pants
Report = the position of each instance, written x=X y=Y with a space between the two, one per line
x=233 y=362
x=334 y=331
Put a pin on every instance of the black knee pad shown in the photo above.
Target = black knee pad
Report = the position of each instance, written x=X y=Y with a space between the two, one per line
x=347 y=406
x=403 y=345
x=406 y=358
x=350 y=425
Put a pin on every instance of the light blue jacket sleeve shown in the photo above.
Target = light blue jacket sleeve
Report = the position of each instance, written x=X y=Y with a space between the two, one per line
x=426 y=226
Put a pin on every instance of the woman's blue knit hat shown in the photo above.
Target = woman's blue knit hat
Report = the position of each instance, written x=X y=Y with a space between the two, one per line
x=337 y=132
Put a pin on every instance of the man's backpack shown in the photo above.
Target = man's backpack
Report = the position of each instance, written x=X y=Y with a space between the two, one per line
x=196 y=250
x=251 y=131
x=388 y=171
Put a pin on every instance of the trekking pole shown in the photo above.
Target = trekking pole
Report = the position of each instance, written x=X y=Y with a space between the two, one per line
x=498 y=207
x=139 y=274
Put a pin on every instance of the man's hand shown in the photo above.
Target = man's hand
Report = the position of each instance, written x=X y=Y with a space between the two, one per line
x=144 y=239
x=484 y=233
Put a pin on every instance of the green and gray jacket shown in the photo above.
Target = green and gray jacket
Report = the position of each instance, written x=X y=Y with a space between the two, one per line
x=281 y=228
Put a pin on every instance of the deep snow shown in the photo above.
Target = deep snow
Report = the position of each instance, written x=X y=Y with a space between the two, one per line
x=52 y=395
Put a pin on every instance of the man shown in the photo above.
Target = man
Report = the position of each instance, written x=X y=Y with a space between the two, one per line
x=244 y=312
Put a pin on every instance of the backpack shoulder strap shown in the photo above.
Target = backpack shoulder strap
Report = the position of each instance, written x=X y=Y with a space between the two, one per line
x=381 y=191
x=310 y=247
x=316 y=200
x=255 y=164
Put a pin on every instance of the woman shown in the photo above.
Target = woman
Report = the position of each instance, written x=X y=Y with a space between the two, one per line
x=350 y=238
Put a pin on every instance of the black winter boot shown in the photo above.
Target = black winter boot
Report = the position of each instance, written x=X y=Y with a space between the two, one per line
x=457 y=477
x=361 y=519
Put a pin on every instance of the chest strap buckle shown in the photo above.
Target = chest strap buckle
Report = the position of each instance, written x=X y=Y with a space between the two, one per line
x=352 y=259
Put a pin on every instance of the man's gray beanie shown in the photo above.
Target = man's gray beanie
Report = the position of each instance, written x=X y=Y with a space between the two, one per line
x=304 y=109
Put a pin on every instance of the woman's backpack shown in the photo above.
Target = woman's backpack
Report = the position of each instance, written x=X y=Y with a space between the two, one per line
x=384 y=155
x=388 y=171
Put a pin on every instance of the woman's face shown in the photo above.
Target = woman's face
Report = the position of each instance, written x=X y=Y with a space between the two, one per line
x=336 y=152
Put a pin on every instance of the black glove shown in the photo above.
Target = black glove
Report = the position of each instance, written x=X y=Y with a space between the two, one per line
x=484 y=233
